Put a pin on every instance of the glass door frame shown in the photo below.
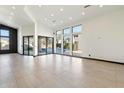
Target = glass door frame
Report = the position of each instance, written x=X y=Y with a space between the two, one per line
x=39 y=46
x=79 y=33
x=46 y=44
x=70 y=44
x=28 y=44
x=52 y=45
x=61 y=38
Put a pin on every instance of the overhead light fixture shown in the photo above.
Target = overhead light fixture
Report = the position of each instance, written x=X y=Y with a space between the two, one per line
x=52 y=15
x=61 y=9
x=13 y=7
x=83 y=13
x=70 y=18
x=100 y=5
x=11 y=13
x=61 y=21
x=45 y=19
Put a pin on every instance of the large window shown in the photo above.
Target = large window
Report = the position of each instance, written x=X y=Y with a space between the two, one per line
x=76 y=44
x=67 y=41
x=4 y=39
x=71 y=41
x=58 y=41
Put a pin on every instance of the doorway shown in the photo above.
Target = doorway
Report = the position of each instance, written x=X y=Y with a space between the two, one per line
x=45 y=45
x=28 y=45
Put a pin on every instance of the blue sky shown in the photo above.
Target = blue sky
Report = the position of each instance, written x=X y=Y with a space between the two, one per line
x=4 y=32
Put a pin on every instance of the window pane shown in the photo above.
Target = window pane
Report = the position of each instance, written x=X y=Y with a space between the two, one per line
x=25 y=45
x=76 y=45
x=67 y=31
x=31 y=45
x=67 y=41
x=49 y=45
x=58 y=45
x=4 y=43
x=42 y=45
x=58 y=41
x=59 y=32
x=4 y=32
x=76 y=29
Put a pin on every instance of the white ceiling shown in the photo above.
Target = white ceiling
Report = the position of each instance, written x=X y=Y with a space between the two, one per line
x=70 y=14
x=16 y=17
x=74 y=11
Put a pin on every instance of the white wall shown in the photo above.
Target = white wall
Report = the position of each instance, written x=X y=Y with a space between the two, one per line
x=44 y=31
x=34 y=29
x=103 y=37
x=24 y=31
x=20 y=40
x=40 y=30
x=28 y=30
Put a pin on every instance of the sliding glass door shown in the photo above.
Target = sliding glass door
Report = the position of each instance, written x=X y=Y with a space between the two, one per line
x=28 y=45
x=45 y=45
x=31 y=45
x=49 y=45
x=42 y=45
x=25 y=45
x=76 y=44
x=67 y=41
x=59 y=42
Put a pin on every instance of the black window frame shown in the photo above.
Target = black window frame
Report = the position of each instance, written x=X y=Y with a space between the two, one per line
x=13 y=39
x=39 y=37
x=28 y=37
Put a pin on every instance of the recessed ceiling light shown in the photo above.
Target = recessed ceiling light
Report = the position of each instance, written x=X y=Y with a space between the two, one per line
x=100 y=5
x=70 y=18
x=83 y=13
x=61 y=21
x=61 y=9
x=13 y=7
x=11 y=13
x=54 y=24
x=39 y=5
x=10 y=18
x=52 y=14
x=45 y=19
